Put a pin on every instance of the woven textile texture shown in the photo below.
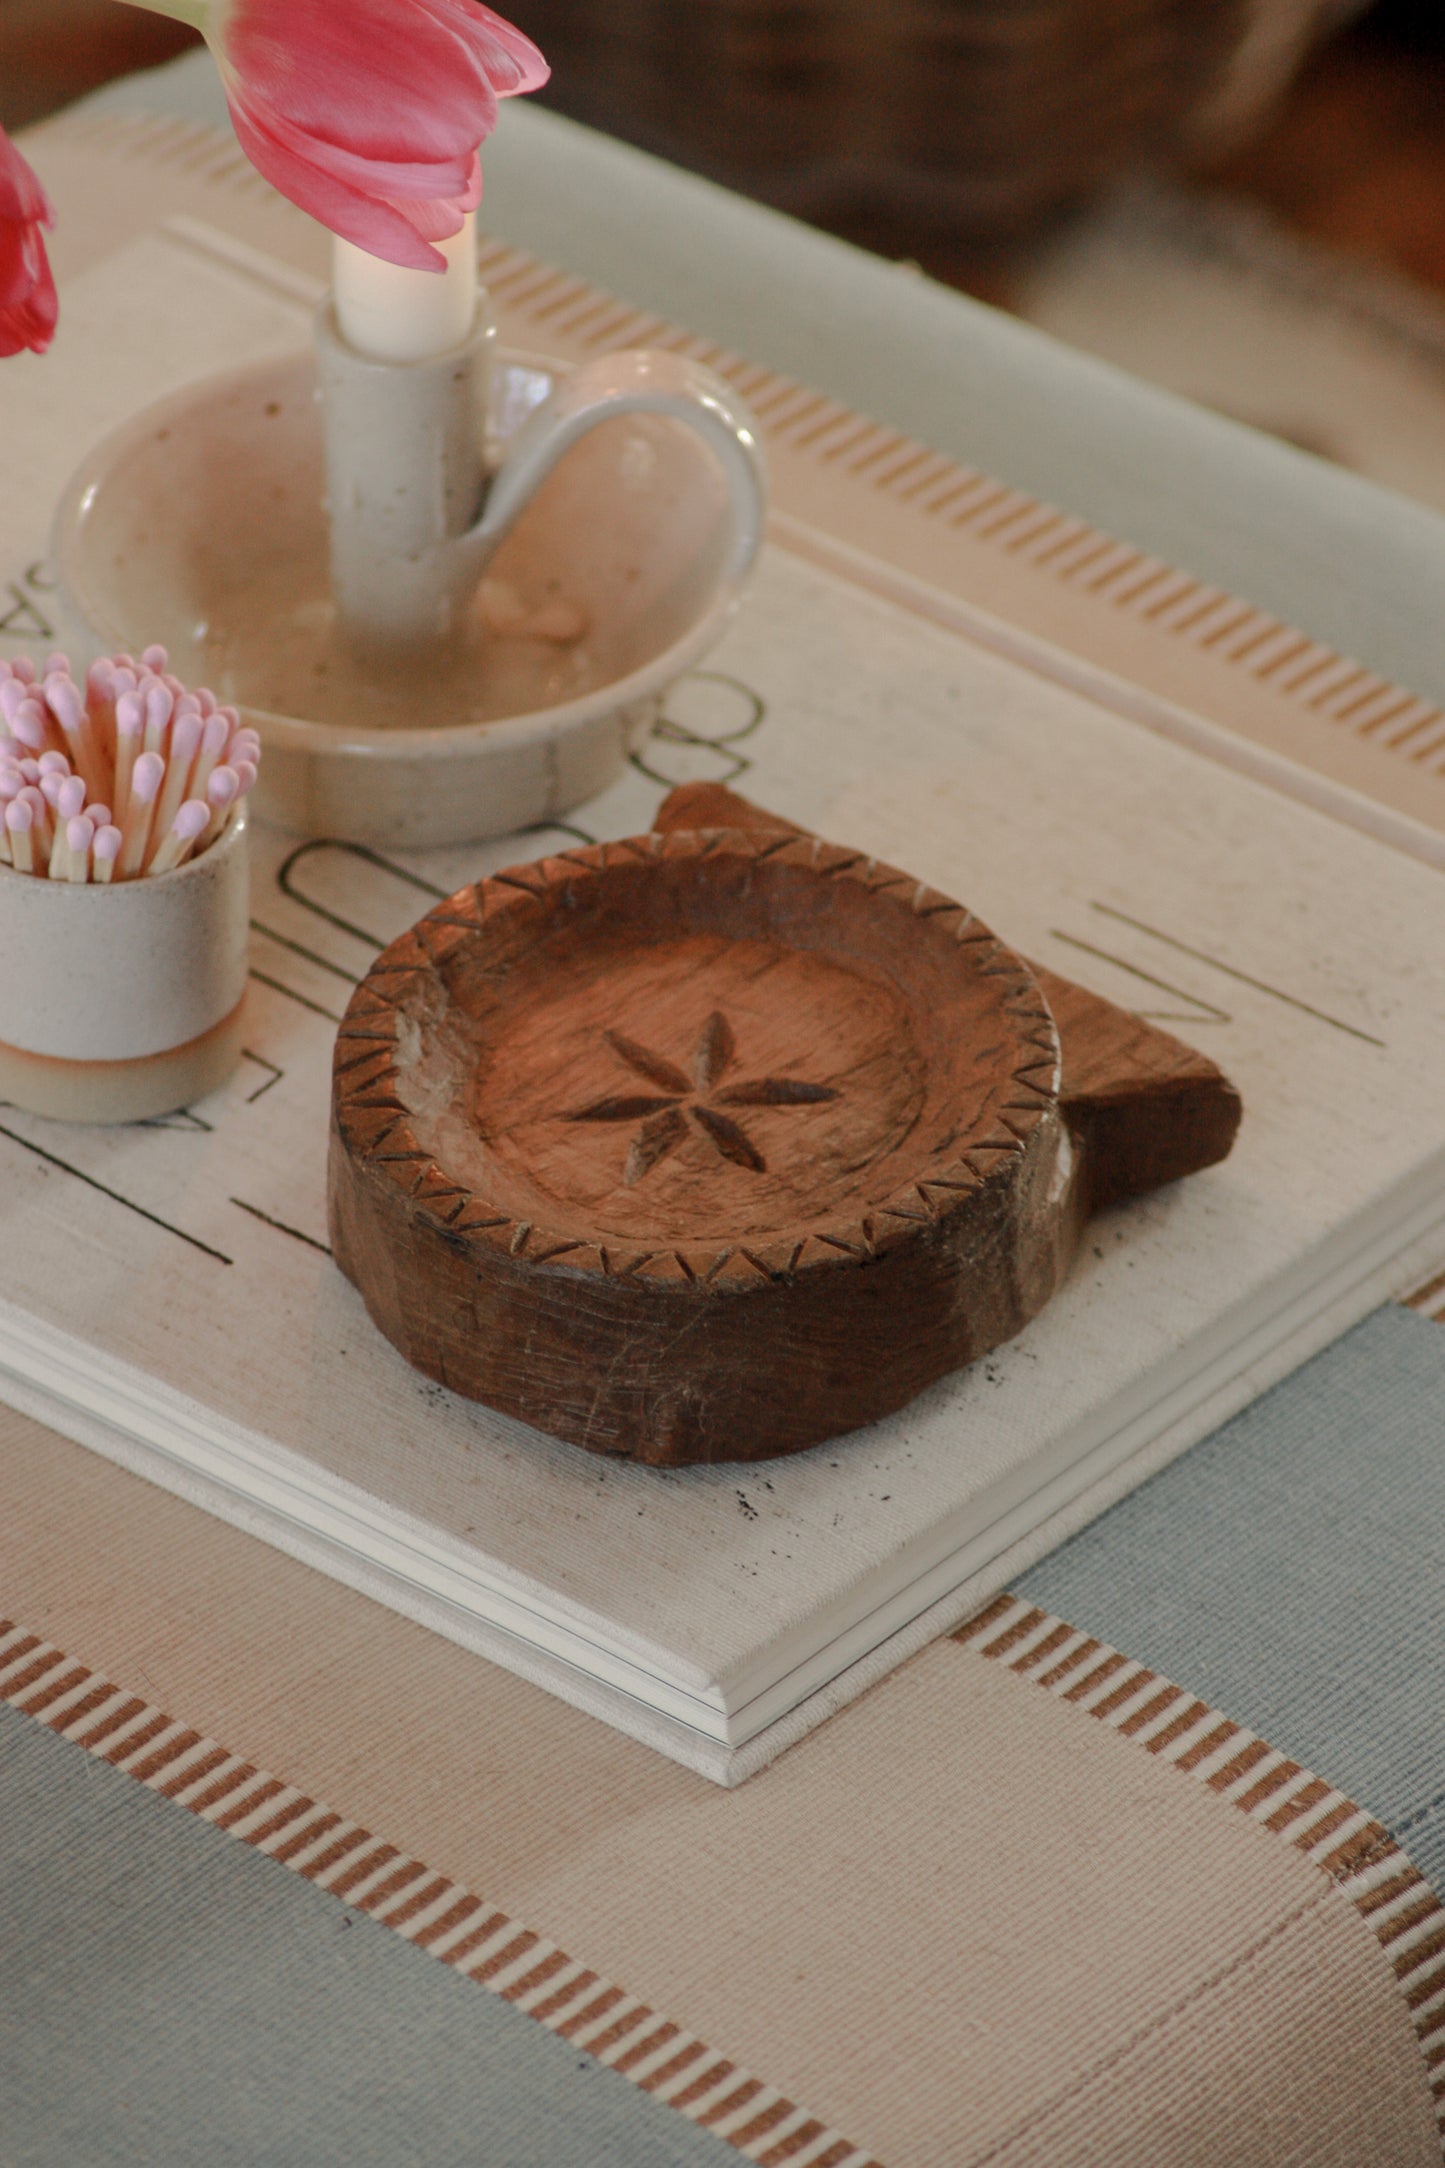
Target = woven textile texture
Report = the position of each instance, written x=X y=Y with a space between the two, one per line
x=1291 y=1569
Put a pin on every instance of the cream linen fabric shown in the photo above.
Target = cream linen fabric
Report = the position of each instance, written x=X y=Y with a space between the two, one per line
x=964 y=1922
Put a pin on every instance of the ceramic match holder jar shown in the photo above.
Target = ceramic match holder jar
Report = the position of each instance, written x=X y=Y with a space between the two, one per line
x=124 y=1000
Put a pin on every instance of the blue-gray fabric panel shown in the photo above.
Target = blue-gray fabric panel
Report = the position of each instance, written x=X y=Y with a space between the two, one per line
x=1291 y=1570
x=168 y=1996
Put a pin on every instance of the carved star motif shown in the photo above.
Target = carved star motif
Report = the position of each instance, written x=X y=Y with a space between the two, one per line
x=680 y=1104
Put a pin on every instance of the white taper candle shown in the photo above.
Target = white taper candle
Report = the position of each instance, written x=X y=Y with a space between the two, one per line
x=392 y=314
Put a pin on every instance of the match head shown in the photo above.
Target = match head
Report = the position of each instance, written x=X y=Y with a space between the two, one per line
x=192 y=818
x=224 y=787
x=130 y=715
x=19 y=816
x=156 y=658
x=106 y=847
x=53 y=763
x=79 y=834
x=146 y=777
x=70 y=797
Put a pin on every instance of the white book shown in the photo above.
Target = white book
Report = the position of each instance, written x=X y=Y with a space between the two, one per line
x=166 y=1294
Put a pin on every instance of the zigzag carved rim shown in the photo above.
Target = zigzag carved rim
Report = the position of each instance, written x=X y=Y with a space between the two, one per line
x=376 y=1126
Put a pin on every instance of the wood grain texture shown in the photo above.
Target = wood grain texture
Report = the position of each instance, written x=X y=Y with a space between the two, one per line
x=714 y=1143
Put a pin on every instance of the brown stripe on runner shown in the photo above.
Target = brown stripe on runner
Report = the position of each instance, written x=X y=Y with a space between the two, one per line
x=765 y=2120
x=732 y=2102
x=1246 y=1759
x=1423 y=1990
x=545 y=2010
x=310 y=1833
x=716 y=2073
x=1126 y=1692
x=1391 y=1930
x=193 y=1775
x=591 y=2012
x=241 y=1774
x=1193 y=1713
x=1325 y=1827
x=1151 y=1711
x=1046 y=1648
x=786 y=2149
x=325 y=1861
x=1095 y=1678
x=451 y=1918
x=357 y=1872
x=124 y=1748
x=1309 y=1795
x=1012 y=1635
x=620 y=2027
x=683 y=2059
x=99 y=1694
x=641 y=2049
x=36 y=1704
x=271 y=1788
x=1424 y=1953
x=393 y=1886
x=1066 y=1664
x=129 y=1709
x=507 y=1955
x=1272 y=1781
x=971 y=1628
x=483 y=1932
x=282 y=1819
x=1385 y=1893
x=35 y=1669
x=165 y=1755
x=537 y=1977
x=418 y=1901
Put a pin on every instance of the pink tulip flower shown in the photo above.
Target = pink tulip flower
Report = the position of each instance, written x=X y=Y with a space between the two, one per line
x=27 y=290
x=368 y=113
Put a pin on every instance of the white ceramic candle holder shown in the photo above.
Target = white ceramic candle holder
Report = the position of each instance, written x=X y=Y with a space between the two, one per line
x=125 y=1000
x=481 y=630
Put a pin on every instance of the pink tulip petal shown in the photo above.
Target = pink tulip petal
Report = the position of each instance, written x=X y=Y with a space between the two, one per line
x=28 y=306
x=383 y=78
x=373 y=223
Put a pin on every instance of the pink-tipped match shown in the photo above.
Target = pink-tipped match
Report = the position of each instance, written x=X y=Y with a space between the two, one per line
x=13 y=693
x=28 y=725
x=125 y=662
x=19 y=816
x=30 y=769
x=80 y=834
x=70 y=798
x=186 y=735
x=160 y=705
x=100 y=814
x=245 y=777
x=62 y=697
x=215 y=736
x=224 y=787
x=207 y=699
x=53 y=763
x=130 y=715
x=57 y=664
x=191 y=819
x=155 y=658
x=12 y=782
x=106 y=847
x=23 y=668
x=146 y=777
x=51 y=785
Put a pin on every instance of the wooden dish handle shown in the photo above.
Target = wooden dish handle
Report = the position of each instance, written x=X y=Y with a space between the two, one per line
x=1144 y=1108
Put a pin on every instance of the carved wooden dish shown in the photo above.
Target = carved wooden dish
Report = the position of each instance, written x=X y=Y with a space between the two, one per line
x=714 y=1143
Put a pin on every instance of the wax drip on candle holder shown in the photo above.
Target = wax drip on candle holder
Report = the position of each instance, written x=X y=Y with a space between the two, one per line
x=126 y=775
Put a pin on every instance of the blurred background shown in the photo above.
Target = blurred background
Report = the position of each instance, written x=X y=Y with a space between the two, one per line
x=1243 y=200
